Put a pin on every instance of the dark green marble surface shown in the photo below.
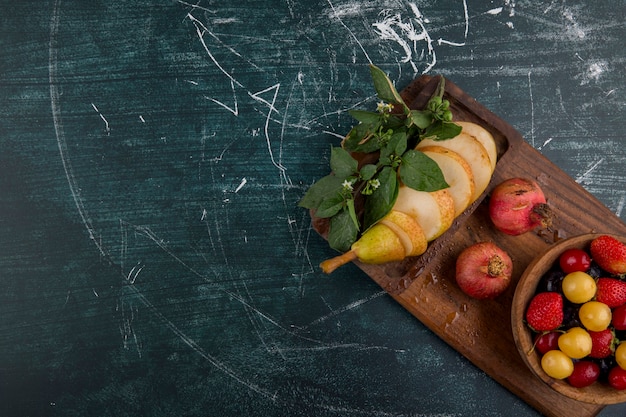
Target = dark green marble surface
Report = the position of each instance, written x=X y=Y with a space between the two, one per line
x=153 y=261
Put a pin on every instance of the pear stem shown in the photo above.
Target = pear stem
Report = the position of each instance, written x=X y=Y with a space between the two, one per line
x=330 y=265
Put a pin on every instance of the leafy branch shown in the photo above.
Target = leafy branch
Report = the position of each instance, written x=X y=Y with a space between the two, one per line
x=391 y=132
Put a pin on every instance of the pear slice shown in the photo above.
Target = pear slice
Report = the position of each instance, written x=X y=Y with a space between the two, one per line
x=474 y=154
x=484 y=137
x=408 y=231
x=456 y=172
x=434 y=211
x=395 y=237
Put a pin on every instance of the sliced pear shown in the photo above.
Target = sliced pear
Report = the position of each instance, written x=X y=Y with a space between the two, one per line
x=379 y=244
x=474 y=154
x=484 y=137
x=457 y=174
x=408 y=231
x=395 y=237
x=433 y=211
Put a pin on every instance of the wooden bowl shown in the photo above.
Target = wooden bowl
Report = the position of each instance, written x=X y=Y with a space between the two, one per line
x=596 y=393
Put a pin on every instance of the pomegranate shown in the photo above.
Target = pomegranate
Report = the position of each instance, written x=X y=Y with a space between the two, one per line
x=483 y=270
x=518 y=205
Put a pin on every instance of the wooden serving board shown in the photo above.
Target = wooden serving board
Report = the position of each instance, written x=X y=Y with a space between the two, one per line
x=481 y=330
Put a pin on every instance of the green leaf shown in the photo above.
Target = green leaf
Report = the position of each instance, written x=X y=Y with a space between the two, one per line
x=392 y=136
x=352 y=212
x=394 y=121
x=360 y=139
x=330 y=206
x=441 y=130
x=342 y=231
x=396 y=145
x=368 y=117
x=419 y=118
x=380 y=202
x=420 y=172
x=385 y=88
x=342 y=163
x=324 y=187
x=368 y=171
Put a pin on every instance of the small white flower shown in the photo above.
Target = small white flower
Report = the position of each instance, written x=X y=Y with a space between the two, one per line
x=383 y=107
x=375 y=183
x=347 y=185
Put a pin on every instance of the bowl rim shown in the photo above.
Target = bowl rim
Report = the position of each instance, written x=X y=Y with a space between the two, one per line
x=597 y=393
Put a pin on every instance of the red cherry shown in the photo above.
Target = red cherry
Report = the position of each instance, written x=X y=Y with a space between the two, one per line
x=545 y=342
x=617 y=378
x=618 y=319
x=574 y=260
x=585 y=373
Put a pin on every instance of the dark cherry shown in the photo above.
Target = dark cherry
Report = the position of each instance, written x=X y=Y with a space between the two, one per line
x=606 y=364
x=545 y=342
x=596 y=272
x=570 y=316
x=551 y=282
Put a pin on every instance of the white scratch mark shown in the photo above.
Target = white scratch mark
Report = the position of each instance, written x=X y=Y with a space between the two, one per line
x=546 y=143
x=244 y=181
x=333 y=134
x=511 y=5
x=95 y=292
x=620 y=206
x=335 y=346
x=201 y=30
x=134 y=272
x=408 y=37
x=574 y=29
x=340 y=111
x=234 y=110
x=408 y=34
x=225 y=21
x=142 y=119
x=61 y=142
x=581 y=177
x=441 y=41
x=348 y=307
x=55 y=104
x=106 y=123
x=466 y=18
x=257 y=96
x=195 y=6
x=272 y=107
x=532 y=110
x=148 y=233
x=349 y=31
x=199 y=350
x=573 y=120
x=594 y=72
x=495 y=11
